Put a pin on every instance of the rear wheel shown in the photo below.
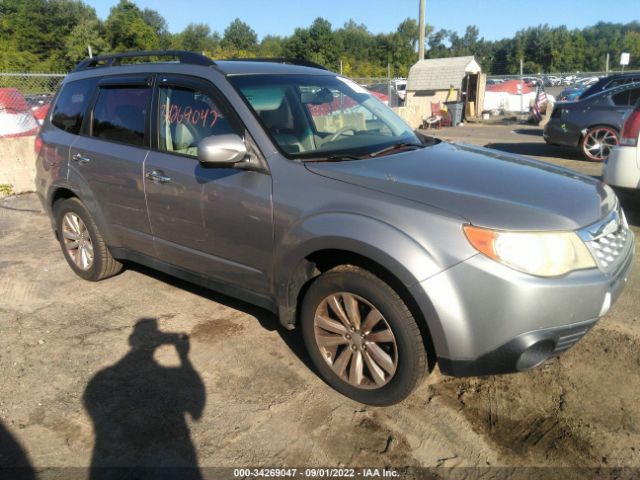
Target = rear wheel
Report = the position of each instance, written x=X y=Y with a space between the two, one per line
x=361 y=337
x=597 y=143
x=81 y=242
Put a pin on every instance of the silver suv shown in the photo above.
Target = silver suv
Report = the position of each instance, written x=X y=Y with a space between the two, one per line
x=293 y=188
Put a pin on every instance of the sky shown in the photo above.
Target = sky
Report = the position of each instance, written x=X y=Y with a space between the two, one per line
x=496 y=19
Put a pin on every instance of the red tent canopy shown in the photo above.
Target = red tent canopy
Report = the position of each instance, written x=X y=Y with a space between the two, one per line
x=510 y=86
x=11 y=99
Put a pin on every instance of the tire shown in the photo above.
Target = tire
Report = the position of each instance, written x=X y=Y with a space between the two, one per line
x=378 y=384
x=101 y=265
x=606 y=137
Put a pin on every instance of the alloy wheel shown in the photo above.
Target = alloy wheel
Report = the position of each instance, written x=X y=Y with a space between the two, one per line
x=355 y=340
x=77 y=241
x=598 y=143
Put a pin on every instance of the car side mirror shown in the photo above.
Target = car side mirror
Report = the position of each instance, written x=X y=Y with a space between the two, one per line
x=222 y=150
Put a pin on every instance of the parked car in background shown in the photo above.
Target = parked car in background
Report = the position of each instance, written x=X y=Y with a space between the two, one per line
x=611 y=81
x=593 y=124
x=400 y=85
x=494 y=81
x=551 y=81
x=568 y=80
x=622 y=168
x=39 y=104
x=575 y=91
x=16 y=117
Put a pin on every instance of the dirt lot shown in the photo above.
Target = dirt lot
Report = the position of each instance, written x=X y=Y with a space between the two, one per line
x=244 y=393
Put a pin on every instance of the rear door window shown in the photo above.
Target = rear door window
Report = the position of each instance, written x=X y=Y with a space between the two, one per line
x=120 y=114
x=634 y=96
x=621 y=99
x=71 y=105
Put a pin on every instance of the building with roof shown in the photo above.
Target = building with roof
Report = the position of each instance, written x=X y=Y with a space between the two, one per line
x=439 y=80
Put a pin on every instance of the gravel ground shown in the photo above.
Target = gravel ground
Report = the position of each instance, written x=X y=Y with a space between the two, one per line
x=240 y=392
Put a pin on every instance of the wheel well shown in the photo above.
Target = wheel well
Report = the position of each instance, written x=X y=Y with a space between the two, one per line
x=61 y=194
x=319 y=262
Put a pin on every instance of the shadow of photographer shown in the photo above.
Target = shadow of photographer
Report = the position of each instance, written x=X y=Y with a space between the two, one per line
x=14 y=461
x=138 y=409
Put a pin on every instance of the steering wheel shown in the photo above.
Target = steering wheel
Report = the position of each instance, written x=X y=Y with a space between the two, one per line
x=340 y=132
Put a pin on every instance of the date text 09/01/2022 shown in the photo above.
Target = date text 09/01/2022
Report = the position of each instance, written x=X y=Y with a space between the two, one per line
x=315 y=473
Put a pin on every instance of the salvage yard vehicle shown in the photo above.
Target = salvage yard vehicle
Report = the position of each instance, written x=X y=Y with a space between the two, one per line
x=592 y=125
x=622 y=168
x=293 y=188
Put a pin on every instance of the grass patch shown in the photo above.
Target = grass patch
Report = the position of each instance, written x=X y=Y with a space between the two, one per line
x=6 y=189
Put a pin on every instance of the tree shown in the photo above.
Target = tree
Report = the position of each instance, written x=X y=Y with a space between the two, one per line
x=239 y=36
x=159 y=25
x=316 y=43
x=86 y=33
x=271 y=46
x=197 y=37
x=126 y=29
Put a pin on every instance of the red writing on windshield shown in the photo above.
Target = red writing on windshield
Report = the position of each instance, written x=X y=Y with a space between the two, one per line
x=179 y=114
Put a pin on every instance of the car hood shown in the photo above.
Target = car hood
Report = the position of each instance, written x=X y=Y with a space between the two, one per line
x=486 y=187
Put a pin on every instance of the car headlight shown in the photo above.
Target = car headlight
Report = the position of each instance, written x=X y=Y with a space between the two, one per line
x=546 y=254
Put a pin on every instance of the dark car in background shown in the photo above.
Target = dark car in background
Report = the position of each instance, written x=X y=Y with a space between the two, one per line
x=609 y=82
x=593 y=124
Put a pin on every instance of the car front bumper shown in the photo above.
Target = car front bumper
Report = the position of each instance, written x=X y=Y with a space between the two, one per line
x=492 y=319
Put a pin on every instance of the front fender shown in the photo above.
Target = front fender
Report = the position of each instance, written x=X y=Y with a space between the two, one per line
x=376 y=240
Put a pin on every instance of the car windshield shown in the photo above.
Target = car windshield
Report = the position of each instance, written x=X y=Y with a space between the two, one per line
x=323 y=116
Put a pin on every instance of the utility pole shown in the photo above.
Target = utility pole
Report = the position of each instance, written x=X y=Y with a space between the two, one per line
x=607 y=64
x=421 y=32
x=521 y=86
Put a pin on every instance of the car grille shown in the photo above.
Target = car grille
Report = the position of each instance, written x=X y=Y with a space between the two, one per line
x=608 y=240
x=608 y=248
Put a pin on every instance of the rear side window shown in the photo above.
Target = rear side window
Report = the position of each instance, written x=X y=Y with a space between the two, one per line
x=626 y=98
x=120 y=114
x=71 y=105
x=621 y=99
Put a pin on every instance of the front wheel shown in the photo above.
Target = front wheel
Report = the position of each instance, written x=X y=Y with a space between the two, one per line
x=597 y=143
x=361 y=337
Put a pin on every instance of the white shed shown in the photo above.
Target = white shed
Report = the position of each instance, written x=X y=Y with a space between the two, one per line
x=446 y=80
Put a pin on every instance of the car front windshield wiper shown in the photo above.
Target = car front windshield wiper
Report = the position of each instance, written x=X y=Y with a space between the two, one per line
x=332 y=158
x=396 y=146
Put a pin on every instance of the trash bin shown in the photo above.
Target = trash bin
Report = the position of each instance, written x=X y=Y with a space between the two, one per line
x=455 y=110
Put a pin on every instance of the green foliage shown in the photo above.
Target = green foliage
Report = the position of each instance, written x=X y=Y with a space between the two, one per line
x=6 y=189
x=84 y=34
x=53 y=35
x=126 y=29
x=239 y=36
x=197 y=37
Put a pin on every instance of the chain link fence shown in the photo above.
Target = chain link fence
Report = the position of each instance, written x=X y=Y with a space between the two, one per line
x=389 y=90
x=24 y=101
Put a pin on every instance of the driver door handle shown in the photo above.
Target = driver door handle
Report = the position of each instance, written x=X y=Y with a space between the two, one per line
x=80 y=159
x=158 y=176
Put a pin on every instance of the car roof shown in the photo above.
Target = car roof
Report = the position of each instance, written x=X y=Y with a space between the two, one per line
x=249 y=67
x=614 y=90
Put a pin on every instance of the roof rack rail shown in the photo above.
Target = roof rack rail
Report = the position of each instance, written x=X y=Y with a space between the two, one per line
x=291 y=61
x=115 y=59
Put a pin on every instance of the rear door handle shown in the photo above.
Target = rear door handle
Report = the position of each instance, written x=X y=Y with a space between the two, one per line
x=158 y=176
x=80 y=159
